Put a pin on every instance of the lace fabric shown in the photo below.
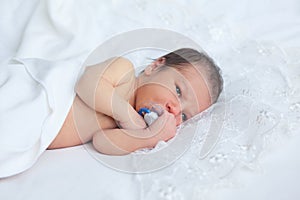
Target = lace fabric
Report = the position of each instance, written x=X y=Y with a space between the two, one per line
x=259 y=104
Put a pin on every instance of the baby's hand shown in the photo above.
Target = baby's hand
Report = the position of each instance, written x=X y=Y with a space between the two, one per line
x=164 y=127
x=132 y=120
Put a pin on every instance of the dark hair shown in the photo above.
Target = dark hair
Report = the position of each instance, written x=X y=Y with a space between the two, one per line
x=206 y=65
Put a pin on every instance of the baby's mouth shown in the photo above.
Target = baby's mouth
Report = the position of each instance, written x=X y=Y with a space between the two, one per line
x=153 y=107
x=157 y=108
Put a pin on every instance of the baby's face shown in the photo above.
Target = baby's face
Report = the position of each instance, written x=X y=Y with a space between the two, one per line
x=183 y=93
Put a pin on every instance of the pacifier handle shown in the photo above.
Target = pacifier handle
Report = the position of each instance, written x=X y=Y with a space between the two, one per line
x=143 y=111
x=148 y=115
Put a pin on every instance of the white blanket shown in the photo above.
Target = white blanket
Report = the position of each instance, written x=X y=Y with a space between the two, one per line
x=36 y=95
x=37 y=82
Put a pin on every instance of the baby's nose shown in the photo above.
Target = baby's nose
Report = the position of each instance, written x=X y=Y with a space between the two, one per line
x=173 y=108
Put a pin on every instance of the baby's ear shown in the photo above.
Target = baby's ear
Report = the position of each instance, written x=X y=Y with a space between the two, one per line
x=155 y=65
x=160 y=61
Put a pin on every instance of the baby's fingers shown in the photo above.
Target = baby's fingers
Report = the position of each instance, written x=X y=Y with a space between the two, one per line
x=158 y=125
x=132 y=120
x=164 y=127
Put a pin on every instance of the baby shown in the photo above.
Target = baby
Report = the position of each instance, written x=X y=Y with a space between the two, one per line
x=177 y=85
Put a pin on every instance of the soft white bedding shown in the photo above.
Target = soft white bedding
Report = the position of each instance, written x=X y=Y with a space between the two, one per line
x=255 y=43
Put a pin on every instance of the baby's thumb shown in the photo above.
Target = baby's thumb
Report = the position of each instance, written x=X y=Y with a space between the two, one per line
x=159 y=123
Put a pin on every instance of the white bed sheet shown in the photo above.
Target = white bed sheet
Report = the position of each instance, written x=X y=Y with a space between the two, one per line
x=73 y=174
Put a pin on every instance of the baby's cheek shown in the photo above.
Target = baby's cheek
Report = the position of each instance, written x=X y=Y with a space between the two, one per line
x=178 y=119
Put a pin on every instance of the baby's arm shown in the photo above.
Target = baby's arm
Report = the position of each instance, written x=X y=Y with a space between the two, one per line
x=97 y=88
x=120 y=141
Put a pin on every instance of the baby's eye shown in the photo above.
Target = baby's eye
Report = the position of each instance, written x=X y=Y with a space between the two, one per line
x=183 y=116
x=178 y=91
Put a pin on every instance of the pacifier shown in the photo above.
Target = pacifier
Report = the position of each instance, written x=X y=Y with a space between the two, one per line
x=149 y=115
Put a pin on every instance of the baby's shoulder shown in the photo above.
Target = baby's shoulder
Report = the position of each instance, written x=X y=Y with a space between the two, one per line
x=120 y=70
x=115 y=70
x=120 y=64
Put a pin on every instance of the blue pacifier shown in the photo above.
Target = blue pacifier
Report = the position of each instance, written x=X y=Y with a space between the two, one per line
x=143 y=111
x=148 y=115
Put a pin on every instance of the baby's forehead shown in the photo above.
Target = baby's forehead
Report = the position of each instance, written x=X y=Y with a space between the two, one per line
x=191 y=70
